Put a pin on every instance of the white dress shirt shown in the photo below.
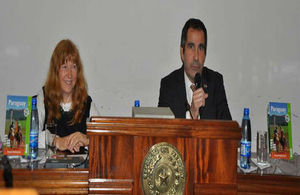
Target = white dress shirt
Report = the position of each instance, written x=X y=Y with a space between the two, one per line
x=189 y=94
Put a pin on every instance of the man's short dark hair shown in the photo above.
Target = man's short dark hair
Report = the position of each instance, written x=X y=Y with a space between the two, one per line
x=195 y=24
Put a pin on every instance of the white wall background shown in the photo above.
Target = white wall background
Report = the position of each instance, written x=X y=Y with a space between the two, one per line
x=128 y=46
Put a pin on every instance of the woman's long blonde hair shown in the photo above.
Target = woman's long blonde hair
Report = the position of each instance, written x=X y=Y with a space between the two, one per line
x=65 y=51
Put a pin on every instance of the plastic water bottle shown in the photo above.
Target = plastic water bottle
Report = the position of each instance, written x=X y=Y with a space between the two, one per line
x=137 y=103
x=34 y=131
x=245 y=153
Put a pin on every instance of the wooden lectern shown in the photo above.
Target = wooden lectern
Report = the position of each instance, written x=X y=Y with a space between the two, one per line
x=118 y=146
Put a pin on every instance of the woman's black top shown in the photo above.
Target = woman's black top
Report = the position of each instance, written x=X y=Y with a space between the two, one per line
x=64 y=128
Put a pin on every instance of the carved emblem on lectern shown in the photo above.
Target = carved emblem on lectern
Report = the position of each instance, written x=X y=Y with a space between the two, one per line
x=163 y=171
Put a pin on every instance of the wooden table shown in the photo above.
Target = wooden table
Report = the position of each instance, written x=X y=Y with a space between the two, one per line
x=118 y=147
x=75 y=181
x=51 y=181
x=267 y=184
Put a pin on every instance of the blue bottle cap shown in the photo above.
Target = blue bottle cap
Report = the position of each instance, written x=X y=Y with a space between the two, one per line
x=34 y=101
x=136 y=103
x=246 y=111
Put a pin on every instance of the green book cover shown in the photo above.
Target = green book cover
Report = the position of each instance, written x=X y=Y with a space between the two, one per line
x=280 y=130
x=17 y=125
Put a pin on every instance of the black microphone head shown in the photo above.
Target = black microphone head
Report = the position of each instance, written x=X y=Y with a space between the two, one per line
x=198 y=80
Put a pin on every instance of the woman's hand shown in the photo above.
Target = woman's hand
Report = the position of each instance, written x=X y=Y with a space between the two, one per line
x=77 y=140
x=77 y=146
x=61 y=143
x=72 y=142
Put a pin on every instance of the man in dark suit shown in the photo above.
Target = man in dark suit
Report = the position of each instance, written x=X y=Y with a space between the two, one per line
x=177 y=90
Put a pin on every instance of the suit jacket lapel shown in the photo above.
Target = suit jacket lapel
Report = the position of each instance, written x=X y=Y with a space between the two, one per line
x=181 y=91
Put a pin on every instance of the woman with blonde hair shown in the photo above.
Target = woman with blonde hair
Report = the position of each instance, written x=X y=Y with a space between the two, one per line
x=64 y=99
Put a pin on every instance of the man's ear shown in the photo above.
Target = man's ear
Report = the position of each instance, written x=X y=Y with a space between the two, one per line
x=181 y=54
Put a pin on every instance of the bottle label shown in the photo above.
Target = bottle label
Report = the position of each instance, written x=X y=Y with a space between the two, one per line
x=245 y=148
x=33 y=139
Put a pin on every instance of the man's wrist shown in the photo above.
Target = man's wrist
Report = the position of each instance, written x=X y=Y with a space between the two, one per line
x=194 y=116
x=194 y=113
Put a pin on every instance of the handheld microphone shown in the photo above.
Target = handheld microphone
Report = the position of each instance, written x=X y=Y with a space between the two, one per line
x=198 y=80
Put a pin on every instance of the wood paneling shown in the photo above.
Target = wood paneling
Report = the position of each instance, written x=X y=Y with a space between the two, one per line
x=75 y=181
x=51 y=181
x=118 y=147
x=110 y=186
x=268 y=184
x=208 y=129
x=216 y=189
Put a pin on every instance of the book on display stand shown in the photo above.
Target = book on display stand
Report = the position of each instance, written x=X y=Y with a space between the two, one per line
x=280 y=130
x=17 y=125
